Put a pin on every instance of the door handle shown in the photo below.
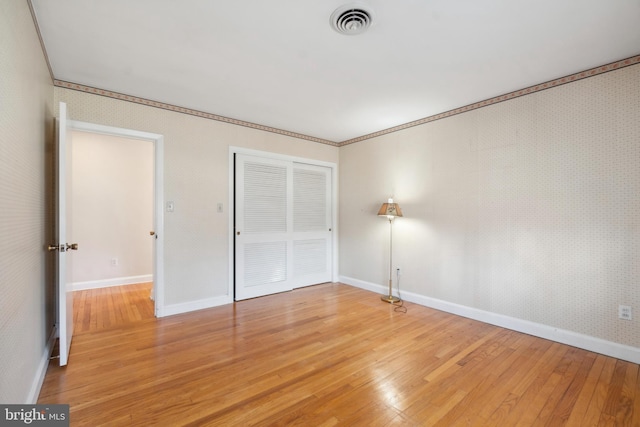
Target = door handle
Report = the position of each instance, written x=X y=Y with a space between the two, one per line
x=63 y=248
x=151 y=233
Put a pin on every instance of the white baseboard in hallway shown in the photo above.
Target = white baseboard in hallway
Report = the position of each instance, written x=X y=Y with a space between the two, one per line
x=116 y=281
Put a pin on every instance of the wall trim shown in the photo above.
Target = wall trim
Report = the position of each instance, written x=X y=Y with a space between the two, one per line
x=189 y=111
x=586 y=342
x=505 y=97
x=41 y=371
x=107 y=283
x=185 y=307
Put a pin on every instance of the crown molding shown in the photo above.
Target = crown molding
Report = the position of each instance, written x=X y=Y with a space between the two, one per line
x=511 y=95
x=491 y=101
x=177 y=109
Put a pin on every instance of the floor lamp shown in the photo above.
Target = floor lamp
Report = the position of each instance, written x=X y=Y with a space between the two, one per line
x=390 y=210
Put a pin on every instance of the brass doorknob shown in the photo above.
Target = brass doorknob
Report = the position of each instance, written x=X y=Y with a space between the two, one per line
x=151 y=233
x=52 y=248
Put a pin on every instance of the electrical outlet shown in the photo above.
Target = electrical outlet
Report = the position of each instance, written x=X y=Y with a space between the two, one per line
x=114 y=262
x=624 y=312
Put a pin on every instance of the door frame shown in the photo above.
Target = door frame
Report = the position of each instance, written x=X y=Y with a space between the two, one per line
x=158 y=196
x=231 y=203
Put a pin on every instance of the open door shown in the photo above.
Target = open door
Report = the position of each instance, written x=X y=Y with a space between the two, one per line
x=62 y=247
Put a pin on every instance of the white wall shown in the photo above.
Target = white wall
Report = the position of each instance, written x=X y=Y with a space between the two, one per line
x=112 y=203
x=26 y=215
x=526 y=209
x=196 y=179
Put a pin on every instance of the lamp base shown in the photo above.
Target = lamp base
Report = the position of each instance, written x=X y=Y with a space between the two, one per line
x=390 y=299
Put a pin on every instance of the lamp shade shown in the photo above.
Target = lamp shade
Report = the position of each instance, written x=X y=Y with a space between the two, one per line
x=390 y=210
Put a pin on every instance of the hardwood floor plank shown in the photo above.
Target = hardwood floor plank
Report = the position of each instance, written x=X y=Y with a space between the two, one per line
x=95 y=310
x=595 y=410
x=563 y=409
x=533 y=379
x=504 y=397
x=460 y=359
x=632 y=386
x=624 y=408
x=433 y=415
x=586 y=392
x=567 y=369
x=119 y=304
x=104 y=308
x=615 y=389
x=477 y=384
x=324 y=355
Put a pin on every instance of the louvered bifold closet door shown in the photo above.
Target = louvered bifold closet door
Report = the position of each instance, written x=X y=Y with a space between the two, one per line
x=312 y=229
x=263 y=226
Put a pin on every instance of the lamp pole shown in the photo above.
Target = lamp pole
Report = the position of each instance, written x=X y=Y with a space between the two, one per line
x=390 y=210
x=390 y=298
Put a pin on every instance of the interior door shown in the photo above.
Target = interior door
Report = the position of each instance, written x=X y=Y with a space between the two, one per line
x=262 y=229
x=65 y=294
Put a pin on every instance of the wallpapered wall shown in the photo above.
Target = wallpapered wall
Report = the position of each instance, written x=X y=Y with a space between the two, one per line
x=196 y=178
x=527 y=208
x=26 y=216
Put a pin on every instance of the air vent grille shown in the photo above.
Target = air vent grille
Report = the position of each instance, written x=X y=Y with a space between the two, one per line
x=351 y=20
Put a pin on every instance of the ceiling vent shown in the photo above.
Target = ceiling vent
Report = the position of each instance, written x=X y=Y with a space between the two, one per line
x=351 y=19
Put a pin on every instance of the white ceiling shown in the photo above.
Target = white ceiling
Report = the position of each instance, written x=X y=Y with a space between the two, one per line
x=280 y=64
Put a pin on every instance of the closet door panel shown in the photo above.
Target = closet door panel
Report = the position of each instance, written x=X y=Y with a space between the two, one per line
x=312 y=228
x=263 y=223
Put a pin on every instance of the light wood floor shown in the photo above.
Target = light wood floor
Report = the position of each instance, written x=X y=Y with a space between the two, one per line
x=335 y=355
x=103 y=308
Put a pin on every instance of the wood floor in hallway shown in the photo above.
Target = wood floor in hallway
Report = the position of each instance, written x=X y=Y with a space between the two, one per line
x=104 y=308
x=331 y=355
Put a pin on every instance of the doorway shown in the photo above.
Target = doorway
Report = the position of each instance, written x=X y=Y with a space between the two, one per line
x=112 y=215
x=122 y=218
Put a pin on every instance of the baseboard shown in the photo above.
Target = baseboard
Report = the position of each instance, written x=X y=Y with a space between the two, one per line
x=41 y=371
x=185 y=307
x=106 y=283
x=586 y=342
